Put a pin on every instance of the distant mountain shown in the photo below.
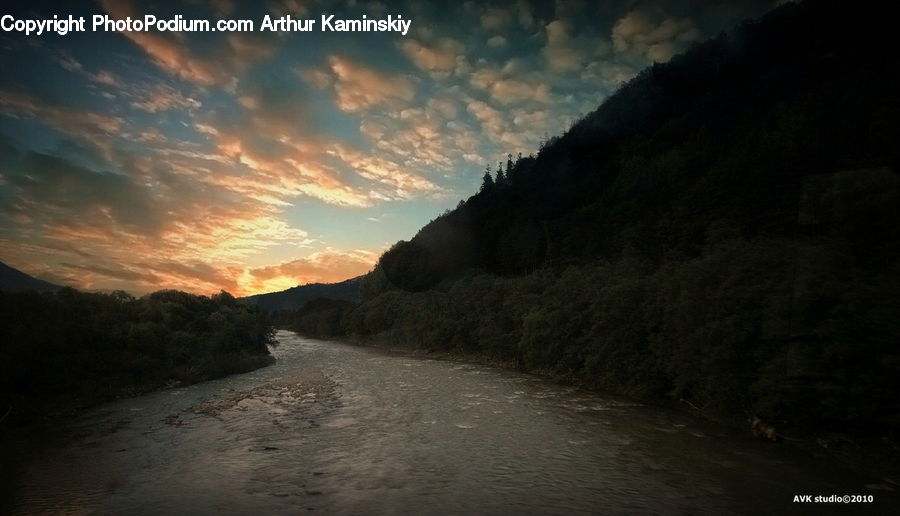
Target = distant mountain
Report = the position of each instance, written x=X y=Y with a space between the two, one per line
x=730 y=132
x=14 y=280
x=298 y=296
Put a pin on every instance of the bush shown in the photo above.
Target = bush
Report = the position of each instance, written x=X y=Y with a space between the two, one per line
x=71 y=349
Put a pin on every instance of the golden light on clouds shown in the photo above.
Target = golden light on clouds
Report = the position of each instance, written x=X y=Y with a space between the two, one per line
x=254 y=162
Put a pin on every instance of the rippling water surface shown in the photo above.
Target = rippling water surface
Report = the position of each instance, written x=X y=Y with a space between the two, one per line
x=342 y=429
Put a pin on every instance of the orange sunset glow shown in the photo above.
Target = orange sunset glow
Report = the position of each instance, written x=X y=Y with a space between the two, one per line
x=256 y=161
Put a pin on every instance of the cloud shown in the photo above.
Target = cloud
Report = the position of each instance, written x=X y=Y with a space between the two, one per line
x=418 y=139
x=496 y=42
x=266 y=160
x=524 y=13
x=282 y=7
x=164 y=98
x=292 y=170
x=655 y=38
x=324 y=266
x=222 y=8
x=212 y=277
x=561 y=51
x=69 y=63
x=57 y=192
x=439 y=60
x=358 y=87
x=171 y=52
x=106 y=78
x=527 y=119
x=507 y=90
x=269 y=155
x=405 y=184
x=129 y=218
x=206 y=129
x=76 y=122
x=115 y=272
x=149 y=97
x=445 y=106
x=495 y=19
x=195 y=167
x=608 y=74
x=316 y=78
x=265 y=149
x=491 y=119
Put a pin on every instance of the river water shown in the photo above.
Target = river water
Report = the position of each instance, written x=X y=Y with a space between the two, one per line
x=334 y=428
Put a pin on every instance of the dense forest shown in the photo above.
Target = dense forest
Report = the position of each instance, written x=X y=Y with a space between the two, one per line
x=66 y=350
x=722 y=232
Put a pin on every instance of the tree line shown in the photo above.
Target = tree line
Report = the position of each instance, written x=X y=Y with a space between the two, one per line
x=66 y=350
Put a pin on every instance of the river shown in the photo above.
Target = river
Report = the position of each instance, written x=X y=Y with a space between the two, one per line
x=335 y=428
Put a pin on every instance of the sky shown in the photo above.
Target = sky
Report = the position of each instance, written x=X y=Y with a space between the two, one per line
x=256 y=161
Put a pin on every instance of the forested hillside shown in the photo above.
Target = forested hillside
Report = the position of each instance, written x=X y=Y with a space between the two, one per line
x=297 y=297
x=724 y=230
x=14 y=280
x=64 y=351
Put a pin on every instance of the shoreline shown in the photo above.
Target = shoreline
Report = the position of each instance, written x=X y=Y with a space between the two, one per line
x=49 y=411
x=863 y=458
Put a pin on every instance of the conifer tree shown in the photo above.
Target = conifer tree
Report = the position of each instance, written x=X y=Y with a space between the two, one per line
x=500 y=177
x=487 y=182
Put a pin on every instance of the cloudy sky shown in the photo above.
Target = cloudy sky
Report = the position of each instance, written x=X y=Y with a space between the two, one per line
x=253 y=162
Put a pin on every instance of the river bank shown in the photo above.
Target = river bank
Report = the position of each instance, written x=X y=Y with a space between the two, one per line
x=338 y=428
x=65 y=351
x=873 y=460
x=70 y=404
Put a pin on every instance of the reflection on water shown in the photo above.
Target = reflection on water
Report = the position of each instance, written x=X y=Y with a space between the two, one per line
x=341 y=429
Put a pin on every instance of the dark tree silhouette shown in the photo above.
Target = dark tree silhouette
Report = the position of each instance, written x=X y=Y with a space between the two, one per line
x=724 y=230
x=67 y=350
x=501 y=178
x=487 y=182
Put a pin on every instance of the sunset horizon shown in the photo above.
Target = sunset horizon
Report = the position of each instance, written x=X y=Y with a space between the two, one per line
x=481 y=257
x=252 y=162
